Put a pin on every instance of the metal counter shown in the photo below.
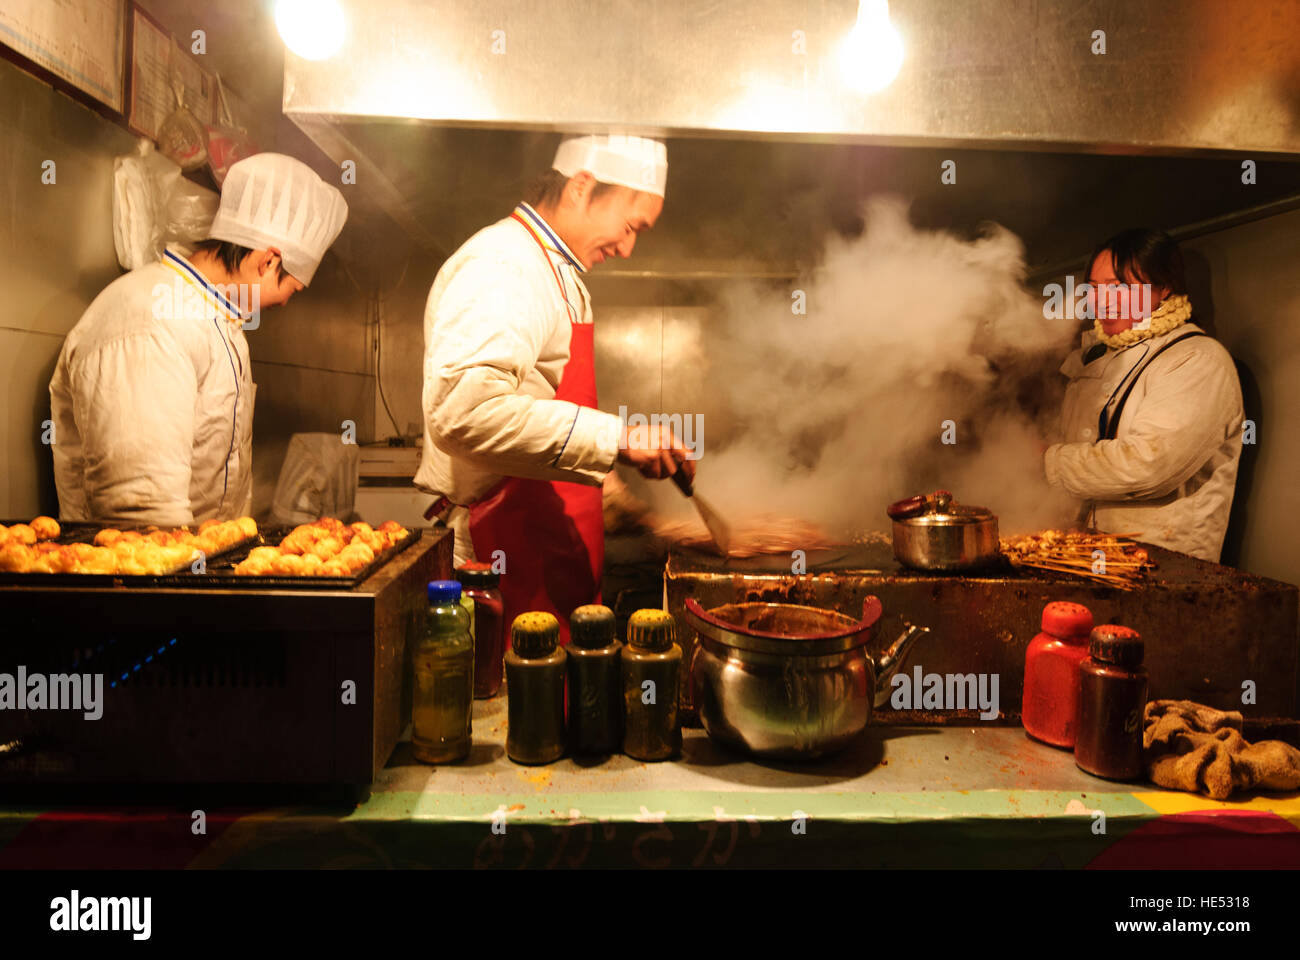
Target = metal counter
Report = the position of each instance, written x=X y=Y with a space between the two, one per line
x=907 y=797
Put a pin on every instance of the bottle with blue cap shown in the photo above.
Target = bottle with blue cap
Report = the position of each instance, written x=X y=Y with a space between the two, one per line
x=444 y=678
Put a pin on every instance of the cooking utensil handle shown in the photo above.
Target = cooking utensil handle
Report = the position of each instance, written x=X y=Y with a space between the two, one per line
x=910 y=507
x=683 y=482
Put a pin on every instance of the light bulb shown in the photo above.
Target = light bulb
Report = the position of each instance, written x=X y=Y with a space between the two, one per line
x=313 y=29
x=872 y=53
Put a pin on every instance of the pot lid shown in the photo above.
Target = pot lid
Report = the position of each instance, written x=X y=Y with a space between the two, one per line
x=936 y=509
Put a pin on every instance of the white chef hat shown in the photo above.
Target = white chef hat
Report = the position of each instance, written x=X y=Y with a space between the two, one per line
x=270 y=200
x=636 y=162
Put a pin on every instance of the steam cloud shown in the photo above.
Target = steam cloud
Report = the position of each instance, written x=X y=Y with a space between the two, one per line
x=832 y=415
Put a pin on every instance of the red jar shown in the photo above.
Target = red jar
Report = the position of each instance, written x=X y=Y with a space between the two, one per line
x=1052 y=673
x=480 y=583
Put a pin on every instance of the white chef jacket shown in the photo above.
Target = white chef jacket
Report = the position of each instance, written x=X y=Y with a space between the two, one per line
x=1169 y=474
x=152 y=403
x=497 y=326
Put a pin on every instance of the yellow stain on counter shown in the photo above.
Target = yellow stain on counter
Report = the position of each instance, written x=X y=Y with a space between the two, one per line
x=1285 y=805
x=541 y=779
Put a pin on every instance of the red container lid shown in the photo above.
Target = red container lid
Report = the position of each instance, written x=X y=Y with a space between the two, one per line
x=1067 y=621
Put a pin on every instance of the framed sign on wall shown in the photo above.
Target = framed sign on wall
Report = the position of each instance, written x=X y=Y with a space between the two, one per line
x=79 y=45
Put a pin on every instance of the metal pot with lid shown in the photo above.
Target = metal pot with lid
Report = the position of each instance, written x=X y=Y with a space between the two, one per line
x=934 y=532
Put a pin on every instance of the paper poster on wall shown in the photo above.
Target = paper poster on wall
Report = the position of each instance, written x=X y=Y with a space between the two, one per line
x=83 y=42
x=157 y=66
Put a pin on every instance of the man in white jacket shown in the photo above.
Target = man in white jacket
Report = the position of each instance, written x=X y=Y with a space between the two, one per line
x=1152 y=418
x=152 y=395
x=515 y=447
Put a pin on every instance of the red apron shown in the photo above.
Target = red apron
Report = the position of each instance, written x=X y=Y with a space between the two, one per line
x=552 y=532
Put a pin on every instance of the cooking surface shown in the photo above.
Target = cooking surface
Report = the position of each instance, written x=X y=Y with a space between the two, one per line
x=876 y=559
x=1207 y=627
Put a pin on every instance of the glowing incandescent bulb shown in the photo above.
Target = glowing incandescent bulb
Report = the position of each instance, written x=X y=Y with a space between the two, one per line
x=313 y=29
x=872 y=53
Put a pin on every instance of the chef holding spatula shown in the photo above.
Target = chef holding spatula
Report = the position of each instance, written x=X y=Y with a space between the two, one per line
x=514 y=446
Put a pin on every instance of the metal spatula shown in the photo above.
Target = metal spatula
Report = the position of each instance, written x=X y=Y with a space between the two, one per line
x=716 y=526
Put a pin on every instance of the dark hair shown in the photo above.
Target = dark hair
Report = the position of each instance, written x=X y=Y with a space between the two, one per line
x=547 y=189
x=231 y=255
x=1145 y=254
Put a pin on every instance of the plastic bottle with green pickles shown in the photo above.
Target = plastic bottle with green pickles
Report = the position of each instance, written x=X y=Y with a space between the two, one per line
x=535 y=668
x=444 y=678
x=651 y=667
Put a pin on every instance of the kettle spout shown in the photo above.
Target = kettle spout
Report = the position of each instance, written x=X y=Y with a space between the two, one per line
x=887 y=663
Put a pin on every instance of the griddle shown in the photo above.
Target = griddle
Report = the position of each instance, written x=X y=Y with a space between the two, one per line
x=79 y=532
x=223 y=573
x=220 y=566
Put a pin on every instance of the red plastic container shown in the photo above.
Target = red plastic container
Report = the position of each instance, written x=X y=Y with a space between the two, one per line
x=1052 y=674
x=480 y=583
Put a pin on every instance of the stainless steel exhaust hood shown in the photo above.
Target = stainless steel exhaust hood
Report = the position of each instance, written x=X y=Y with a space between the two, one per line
x=446 y=108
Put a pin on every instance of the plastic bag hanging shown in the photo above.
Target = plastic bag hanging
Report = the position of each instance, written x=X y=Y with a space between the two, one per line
x=228 y=142
x=153 y=205
x=182 y=137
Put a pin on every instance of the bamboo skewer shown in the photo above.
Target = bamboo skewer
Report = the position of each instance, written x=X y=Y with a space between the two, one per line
x=1073 y=553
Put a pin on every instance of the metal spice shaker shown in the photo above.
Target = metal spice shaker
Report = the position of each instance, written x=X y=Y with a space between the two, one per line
x=535 y=689
x=651 y=665
x=1112 y=695
x=595 y=693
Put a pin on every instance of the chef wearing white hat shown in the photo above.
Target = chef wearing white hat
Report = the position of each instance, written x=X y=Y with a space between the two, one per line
x=152 y=396
x=514 y=446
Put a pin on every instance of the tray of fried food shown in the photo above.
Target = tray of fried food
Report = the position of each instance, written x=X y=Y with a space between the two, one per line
x=149 y=552
x=325 y=548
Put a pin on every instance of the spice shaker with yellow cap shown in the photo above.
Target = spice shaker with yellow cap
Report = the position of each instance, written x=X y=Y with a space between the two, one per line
x=535 y=668
x=651 y=668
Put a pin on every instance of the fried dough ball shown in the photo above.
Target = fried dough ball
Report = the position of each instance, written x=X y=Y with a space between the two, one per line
x=62 y=560
x=42 y=564
x=247 y=527
x=23 y=534
x=208 y=524
x=46 y=528
x=311 y=565
x=130 y=564
x=263 y=554
x=335 y=568
x=84 y=550
x=151 y=557
x=106 y=538
x=356 y=556
x=289 y=565
x=44 y=548
x=4 y=535
x=324 y=549
x=98 y=560
x=16 y=558
x=300 y=540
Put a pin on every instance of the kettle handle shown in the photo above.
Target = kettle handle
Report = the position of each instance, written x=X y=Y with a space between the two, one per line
x=919 y=504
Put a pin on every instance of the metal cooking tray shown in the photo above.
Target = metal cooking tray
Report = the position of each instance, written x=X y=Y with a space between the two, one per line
x=223 y=573
x=81 y=532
